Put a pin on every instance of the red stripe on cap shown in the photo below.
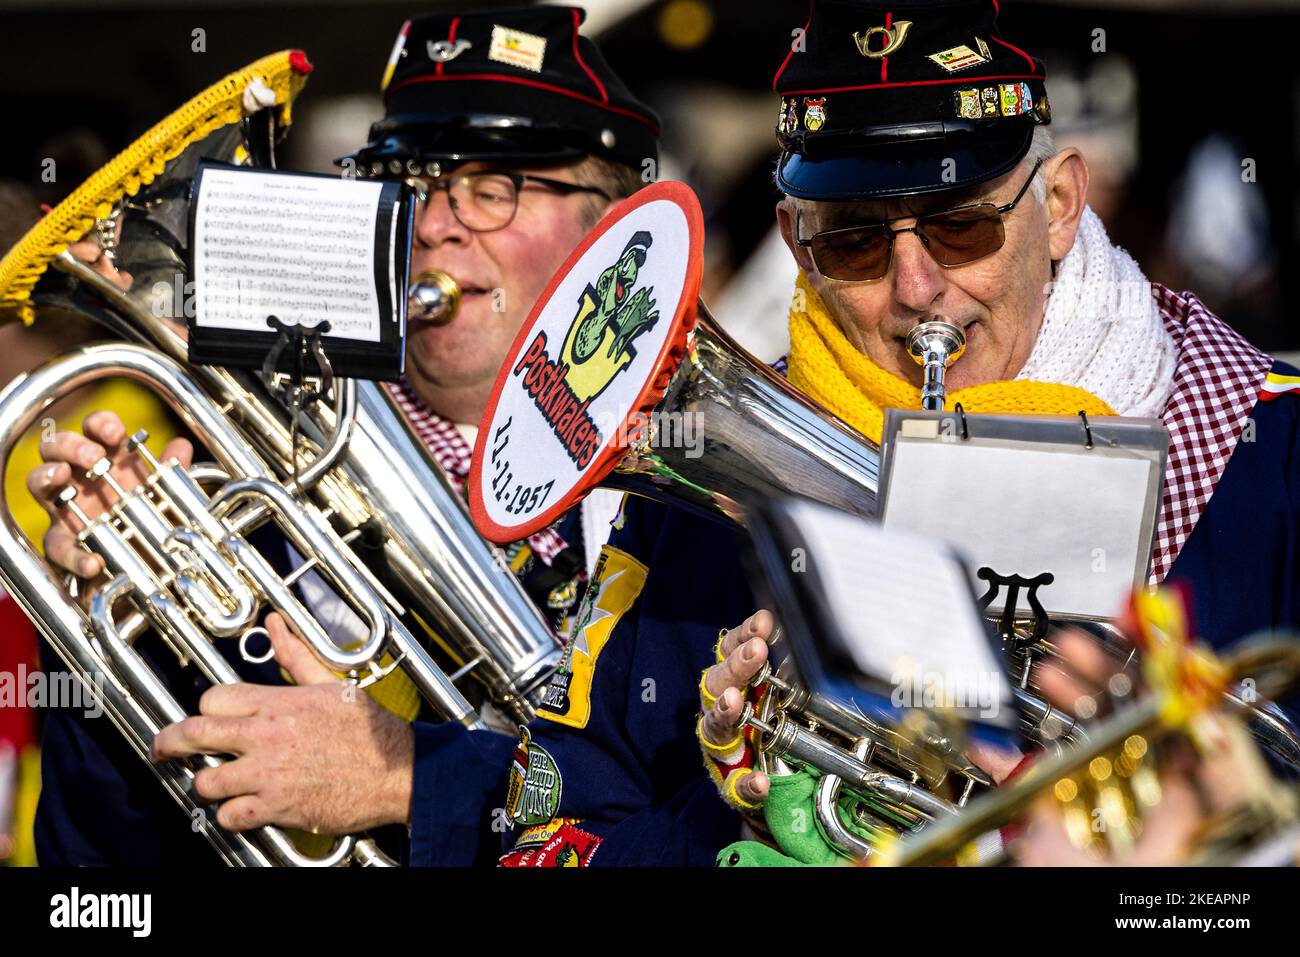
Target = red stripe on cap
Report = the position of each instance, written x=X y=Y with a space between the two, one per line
x=577 y=19
x=451 y=38
x=1028 y=58
x=898 y=86
x=498 y=78
x=786 y=62
x=884 y=61
x=995 y=7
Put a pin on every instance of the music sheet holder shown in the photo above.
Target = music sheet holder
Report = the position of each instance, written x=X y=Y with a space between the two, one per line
x=881 y=620
x=270 y=251
x=1053 y=511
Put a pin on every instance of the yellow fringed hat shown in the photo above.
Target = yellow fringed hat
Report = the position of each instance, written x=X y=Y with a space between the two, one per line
x=227 y=101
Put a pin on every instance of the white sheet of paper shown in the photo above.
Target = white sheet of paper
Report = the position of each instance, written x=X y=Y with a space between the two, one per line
x=903 y=606
x=301 y=248
x=1022 y=508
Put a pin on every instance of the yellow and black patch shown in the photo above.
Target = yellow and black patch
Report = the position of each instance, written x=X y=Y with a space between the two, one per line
x=615 y=585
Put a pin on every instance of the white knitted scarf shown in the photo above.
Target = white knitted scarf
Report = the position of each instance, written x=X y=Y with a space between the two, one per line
x=1102 y=330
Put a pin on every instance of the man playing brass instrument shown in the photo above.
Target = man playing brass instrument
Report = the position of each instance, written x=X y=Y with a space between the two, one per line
x=928 y=187
x=514 y=153
x=922 y=184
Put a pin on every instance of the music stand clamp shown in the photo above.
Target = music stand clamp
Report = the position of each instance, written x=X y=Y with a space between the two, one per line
x=1037 y=622
x=302 y=341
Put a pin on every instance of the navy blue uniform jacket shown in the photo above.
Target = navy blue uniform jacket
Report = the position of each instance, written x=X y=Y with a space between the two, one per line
x=632 y=779
x=611 y=773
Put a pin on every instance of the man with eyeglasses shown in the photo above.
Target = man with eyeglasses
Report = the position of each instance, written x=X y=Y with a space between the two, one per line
x=920 y=183
x=517 y=138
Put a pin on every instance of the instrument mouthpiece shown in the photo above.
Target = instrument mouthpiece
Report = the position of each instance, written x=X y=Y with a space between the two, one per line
x=935 y=345
x=434 y=297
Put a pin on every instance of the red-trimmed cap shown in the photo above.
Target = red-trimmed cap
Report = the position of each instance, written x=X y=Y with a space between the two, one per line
x=507 y=85
x=590 y=364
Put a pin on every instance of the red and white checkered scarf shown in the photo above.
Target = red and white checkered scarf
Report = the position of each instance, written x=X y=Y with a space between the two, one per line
x=1216 y=384
x=450 y=450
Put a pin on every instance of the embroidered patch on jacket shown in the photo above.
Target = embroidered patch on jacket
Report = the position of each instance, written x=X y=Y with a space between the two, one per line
x=615 y=585
x=539 y=834
x=535 y=785
x=567 y=846
x=525 y=50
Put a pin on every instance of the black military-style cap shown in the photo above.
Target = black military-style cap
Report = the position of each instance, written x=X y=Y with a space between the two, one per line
x=903 y=97
x=518 y=86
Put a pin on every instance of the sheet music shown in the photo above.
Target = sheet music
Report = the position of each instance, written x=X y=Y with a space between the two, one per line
x=1023 y=508
x=902 y=604
x=298 y=247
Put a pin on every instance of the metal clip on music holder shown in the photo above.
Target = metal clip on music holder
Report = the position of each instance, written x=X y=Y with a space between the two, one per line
x=302 y=341
x=961 y=414
x=1038 y=620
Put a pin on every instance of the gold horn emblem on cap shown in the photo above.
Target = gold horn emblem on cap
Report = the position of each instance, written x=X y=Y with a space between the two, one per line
x=894 y=37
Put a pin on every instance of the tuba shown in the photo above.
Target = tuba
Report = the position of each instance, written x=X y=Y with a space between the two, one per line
x=346 y=481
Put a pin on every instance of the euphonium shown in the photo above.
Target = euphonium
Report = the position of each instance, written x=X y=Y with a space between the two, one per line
x=345 y=479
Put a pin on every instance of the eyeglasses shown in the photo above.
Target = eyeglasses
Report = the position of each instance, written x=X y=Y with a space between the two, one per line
x=488 y=200
x=953 y=237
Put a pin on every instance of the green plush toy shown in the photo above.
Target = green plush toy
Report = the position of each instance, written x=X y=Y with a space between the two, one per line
x=791 y=815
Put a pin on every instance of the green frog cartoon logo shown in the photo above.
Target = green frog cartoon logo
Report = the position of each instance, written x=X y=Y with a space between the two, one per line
x=610 y=316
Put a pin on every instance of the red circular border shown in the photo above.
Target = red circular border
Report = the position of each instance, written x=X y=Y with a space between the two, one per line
x=670 y=355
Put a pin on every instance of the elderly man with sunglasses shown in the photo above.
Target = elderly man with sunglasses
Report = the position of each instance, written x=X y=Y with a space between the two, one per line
x=920 y=182
x=517 y=137
x=930 y=188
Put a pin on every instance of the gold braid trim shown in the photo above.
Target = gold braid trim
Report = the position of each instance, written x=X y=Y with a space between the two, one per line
x=284 y=73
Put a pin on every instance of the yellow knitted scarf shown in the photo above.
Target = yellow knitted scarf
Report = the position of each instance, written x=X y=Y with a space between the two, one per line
x=826 y=366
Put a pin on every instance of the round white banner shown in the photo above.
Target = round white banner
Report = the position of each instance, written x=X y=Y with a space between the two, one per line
x=586 y=361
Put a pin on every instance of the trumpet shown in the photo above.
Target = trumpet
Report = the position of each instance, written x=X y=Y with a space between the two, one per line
x=350 y=486
x=1273 y=663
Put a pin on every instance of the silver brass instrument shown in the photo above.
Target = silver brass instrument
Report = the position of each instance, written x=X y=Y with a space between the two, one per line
x=760 y=436
x=895 y=776
x=176 y=551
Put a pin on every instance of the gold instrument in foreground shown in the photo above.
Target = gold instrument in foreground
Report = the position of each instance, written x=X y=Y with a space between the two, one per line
x=1104 y=786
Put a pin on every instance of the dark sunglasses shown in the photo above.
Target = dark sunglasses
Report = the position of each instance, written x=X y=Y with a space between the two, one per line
x=953 y=237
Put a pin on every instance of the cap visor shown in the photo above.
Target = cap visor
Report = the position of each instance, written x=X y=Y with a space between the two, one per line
x=902 y=169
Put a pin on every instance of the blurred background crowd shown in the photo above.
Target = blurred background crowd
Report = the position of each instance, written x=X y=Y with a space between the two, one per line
x=1187 y=110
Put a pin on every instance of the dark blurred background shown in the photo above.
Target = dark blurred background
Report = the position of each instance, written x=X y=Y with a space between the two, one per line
x=1188 y=112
